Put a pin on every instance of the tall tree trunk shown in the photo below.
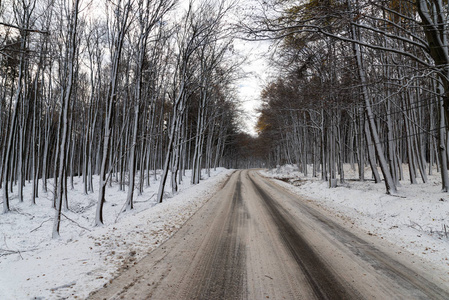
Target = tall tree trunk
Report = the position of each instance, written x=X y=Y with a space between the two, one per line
x=389 y=183
x=122 y=14
x=64 y=120
x=13 y=125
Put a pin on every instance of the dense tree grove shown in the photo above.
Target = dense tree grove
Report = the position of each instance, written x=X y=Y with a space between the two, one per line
x=360 y=82
x=116 y=89
x=122 y=88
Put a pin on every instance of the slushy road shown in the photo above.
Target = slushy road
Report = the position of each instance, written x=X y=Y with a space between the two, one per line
x=256 y=240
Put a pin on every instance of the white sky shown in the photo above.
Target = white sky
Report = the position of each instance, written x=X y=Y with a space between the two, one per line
x=249 y=88
x=255 y=66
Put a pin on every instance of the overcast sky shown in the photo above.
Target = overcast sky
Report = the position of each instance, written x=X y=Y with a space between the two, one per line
x=255 y=66
x=250 y=87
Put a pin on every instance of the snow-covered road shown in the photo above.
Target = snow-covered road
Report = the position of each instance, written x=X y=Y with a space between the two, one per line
x=256 y=240
x=87 y=257
x=33 y=266
x=416 y=220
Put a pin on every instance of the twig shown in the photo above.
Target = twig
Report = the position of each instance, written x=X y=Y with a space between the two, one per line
x=63 y=286
x=18 y=251
x=146 y=200
x=83 y=209
x=414 y=224
x=120 y=211
x=40 y=225
x=7 y=250
x=399 y=196
x=15 y=209
x=75 y=222
x=14 y=252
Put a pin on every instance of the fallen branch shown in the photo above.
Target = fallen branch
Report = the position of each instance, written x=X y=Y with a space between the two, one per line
x=75 y=222
x=149 y=199
x=9 y=252
x=41 y=225
x=414 y=225
x=120 y=211
x=399 y=196
x=83 y=209
x=64 y=286
x=15 y=209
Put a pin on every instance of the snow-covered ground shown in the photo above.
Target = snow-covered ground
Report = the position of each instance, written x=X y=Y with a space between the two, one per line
x=417 y=219
x=34 y=266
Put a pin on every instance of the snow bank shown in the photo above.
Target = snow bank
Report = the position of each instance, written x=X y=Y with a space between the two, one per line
x=33 y=266
x=414 y=220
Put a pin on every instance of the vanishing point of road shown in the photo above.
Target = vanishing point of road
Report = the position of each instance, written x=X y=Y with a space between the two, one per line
x=255 y=240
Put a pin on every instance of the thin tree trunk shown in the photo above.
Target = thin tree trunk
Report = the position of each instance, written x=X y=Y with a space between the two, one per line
x=64 y=119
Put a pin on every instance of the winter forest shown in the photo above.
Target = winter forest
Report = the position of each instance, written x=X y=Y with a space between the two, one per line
x=120 y=89
x=116 y=91
x=361 y=82
x=120 y=95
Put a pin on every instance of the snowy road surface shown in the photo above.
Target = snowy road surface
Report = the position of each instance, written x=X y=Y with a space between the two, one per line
x=256 y=240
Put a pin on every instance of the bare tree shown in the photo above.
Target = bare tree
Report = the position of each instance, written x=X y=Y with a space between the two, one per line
x=150 y=14
x=66 y=94
x=120 y=26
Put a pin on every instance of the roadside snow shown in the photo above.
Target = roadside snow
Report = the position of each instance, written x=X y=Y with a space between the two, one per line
x=33 y=266
x=414 y=220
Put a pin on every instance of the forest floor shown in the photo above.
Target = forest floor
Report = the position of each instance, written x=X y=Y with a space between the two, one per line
x=85 y=257
x=416 y=219
x=33 y=266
